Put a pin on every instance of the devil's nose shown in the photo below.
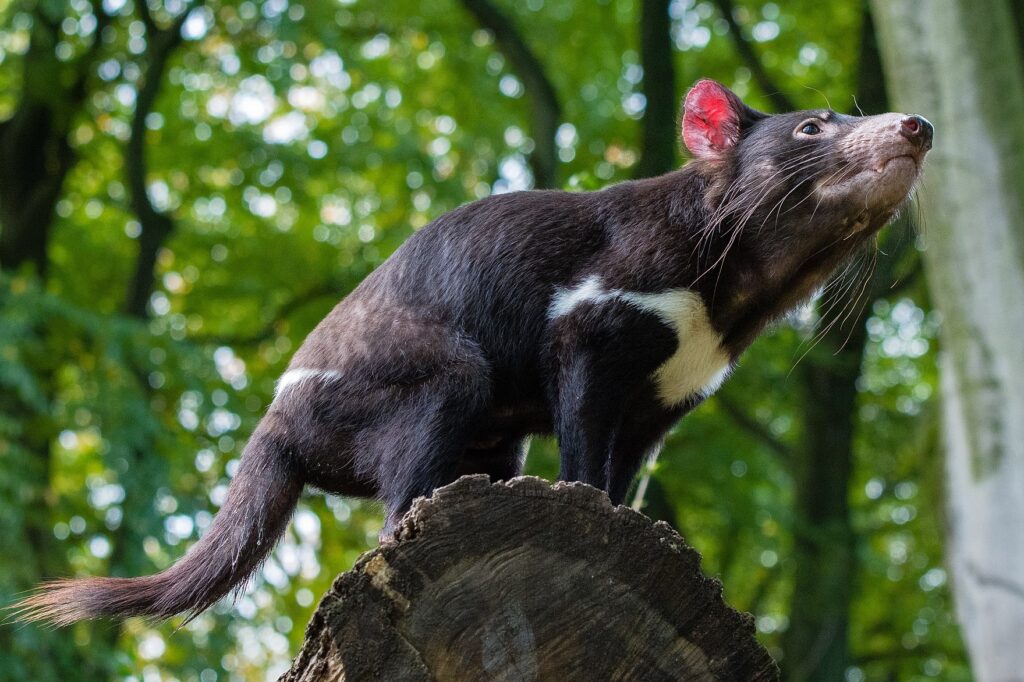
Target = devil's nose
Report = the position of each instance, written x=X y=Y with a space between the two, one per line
x=918 y=130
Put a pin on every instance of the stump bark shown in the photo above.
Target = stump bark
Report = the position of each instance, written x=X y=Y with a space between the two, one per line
x=523 y=580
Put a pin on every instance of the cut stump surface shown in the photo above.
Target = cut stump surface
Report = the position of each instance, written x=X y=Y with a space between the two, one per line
x=523 y=580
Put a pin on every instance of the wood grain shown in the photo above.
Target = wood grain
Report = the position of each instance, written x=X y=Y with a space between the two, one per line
x=523 y=580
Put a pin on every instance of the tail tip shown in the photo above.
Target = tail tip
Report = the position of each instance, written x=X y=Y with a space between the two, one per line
x=58 y=603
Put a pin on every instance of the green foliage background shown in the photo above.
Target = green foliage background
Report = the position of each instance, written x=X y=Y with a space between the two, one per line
x=296 y=145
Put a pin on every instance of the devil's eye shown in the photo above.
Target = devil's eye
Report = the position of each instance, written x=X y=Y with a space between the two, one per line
x=810 y=129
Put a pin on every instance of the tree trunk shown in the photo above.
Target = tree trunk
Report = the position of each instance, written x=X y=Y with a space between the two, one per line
x=659 y=136
x=156 y=226
x=35 y=154
x=816 y=643
x=525 y=581
x=958 y=63
x=35 y=158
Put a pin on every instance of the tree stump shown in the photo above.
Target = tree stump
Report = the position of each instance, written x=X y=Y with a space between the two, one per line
x=523 y=580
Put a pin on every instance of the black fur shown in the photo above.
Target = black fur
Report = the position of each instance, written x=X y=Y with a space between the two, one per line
x=445 y=359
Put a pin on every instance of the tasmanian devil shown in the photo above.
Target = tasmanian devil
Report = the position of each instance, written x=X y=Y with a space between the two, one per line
x=602 y=317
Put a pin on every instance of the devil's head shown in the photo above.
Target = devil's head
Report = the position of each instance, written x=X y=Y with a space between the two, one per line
x=801 y=181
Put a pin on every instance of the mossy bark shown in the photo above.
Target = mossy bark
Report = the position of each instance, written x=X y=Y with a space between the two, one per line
x=959 y=63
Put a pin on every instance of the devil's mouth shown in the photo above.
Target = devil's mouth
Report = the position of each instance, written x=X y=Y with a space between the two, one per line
x=885 y=163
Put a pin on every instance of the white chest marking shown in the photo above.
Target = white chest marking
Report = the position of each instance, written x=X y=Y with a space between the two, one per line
x=699 y=364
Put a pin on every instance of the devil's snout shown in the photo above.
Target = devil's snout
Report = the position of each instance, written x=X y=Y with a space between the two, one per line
x=918 y=130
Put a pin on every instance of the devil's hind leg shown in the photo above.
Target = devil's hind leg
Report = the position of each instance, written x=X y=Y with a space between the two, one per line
x=423 y=420
x=424 y=441
x=501 y=459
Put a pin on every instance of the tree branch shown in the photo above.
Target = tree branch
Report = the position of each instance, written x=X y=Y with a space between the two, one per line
x=900 y=654
x=86 y=61
x=147 y=17
x=268 y=330
x=904 y=281
x=770 y=578
x=545 y=110
x=755 y=428
x=745 y=48
x=156 y=226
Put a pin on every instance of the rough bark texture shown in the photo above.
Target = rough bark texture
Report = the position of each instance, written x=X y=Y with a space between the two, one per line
x=528 y=581
x=959 y=64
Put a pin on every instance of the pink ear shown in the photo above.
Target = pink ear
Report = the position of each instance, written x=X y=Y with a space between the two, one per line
x=711 y=120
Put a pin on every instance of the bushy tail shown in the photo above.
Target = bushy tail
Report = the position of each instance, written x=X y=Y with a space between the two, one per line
x=259 y=504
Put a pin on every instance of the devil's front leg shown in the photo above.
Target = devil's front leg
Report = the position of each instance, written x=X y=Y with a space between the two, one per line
x=603 y=357
x=638 y=437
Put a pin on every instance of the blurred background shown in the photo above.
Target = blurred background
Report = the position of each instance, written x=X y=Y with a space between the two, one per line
x=187 y=187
